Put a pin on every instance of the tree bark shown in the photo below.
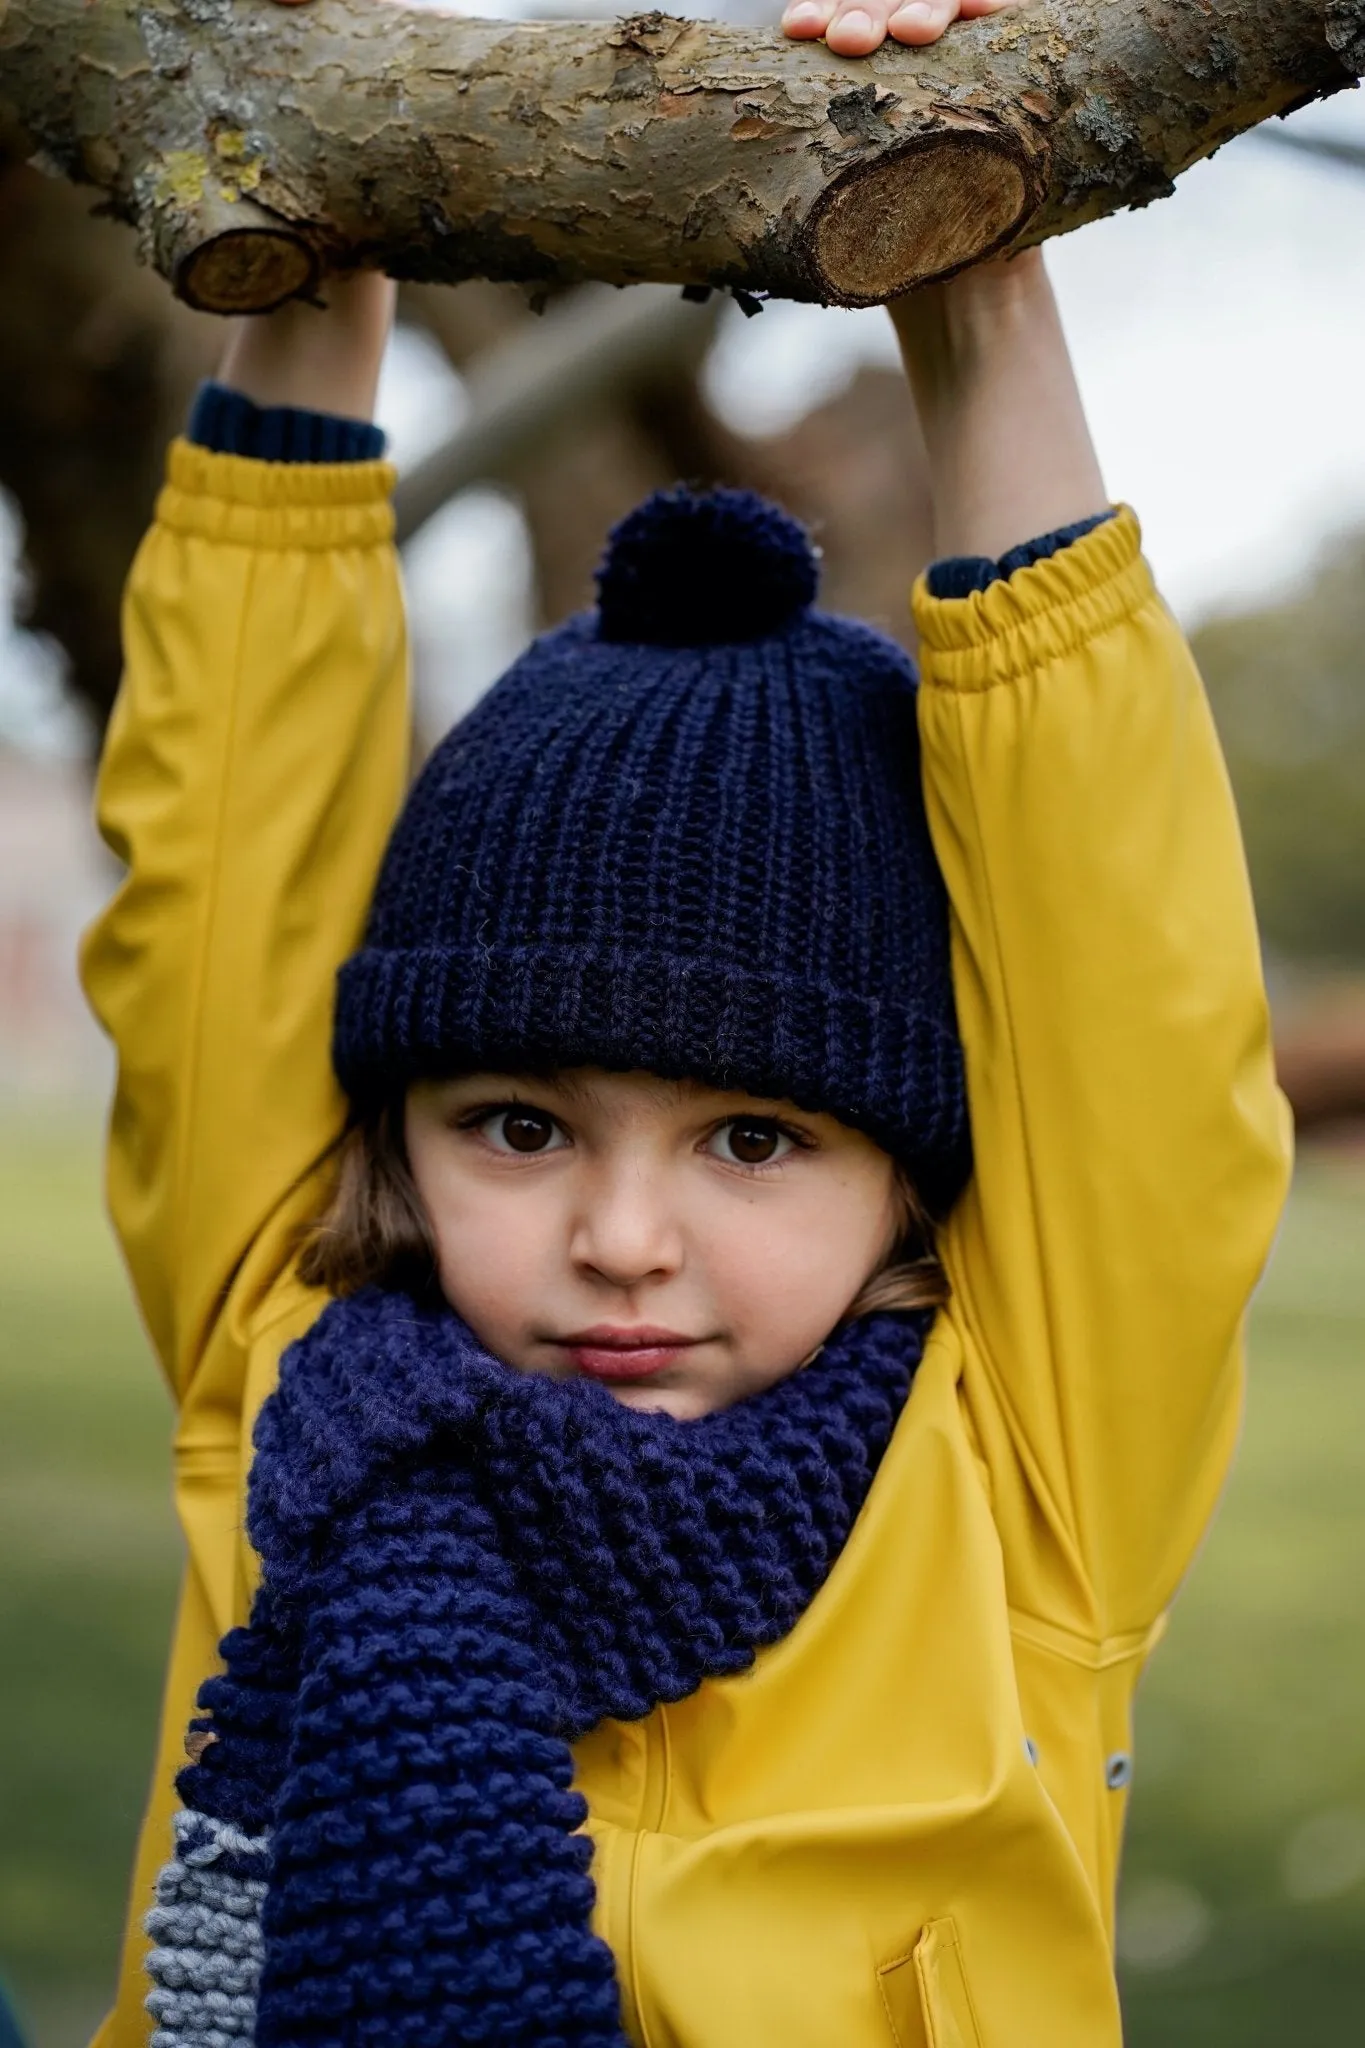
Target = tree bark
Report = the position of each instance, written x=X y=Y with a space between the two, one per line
x=253 y=146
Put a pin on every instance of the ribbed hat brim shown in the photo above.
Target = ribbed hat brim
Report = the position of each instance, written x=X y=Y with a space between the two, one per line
x=893 y=1072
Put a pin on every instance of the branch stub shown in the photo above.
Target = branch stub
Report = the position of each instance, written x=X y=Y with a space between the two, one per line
x=246 y=270
x=928 y=210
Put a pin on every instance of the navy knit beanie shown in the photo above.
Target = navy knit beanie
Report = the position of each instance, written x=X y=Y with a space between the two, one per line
x=685 y=833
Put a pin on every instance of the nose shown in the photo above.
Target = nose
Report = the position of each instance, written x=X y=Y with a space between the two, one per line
x=624 y=1230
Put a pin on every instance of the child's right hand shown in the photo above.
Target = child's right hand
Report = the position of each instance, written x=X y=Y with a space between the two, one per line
x=855 y=28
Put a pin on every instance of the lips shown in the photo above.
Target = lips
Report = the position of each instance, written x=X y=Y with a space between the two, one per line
x=619 y=1355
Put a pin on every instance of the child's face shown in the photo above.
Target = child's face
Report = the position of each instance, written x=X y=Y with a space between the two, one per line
x=682 y=1246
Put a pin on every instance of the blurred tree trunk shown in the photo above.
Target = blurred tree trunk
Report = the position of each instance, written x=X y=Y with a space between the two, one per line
x=853 y=469
x=97 y=364
x=1320 y=1056
x=590 y=467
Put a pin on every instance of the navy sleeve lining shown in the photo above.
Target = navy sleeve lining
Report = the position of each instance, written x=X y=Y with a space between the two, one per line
x=960 y=575
x=229 y=423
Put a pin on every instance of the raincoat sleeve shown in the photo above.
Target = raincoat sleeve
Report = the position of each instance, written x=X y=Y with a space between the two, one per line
x=254 y=764
x=1131 y=1146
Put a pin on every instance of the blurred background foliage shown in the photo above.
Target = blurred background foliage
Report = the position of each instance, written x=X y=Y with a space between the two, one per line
x=91 y=1559
x=1288 y=691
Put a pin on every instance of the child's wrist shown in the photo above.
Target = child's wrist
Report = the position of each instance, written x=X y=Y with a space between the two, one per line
x=947 y=330
x=1010 y=456
x=321 y=360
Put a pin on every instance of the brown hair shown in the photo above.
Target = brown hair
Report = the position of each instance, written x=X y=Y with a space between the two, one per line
x=375 y=1230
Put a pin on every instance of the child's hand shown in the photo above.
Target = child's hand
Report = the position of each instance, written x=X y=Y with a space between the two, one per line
x=855 y=28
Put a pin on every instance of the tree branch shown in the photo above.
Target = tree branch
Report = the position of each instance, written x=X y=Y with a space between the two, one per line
x=1326 y=148
x=253 y=146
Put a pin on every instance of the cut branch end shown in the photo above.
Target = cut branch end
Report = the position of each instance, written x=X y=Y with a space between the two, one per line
x=226 y=254
x=246 y=270
x=931 y=209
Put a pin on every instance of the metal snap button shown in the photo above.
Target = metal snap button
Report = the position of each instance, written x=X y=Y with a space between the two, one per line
x=1118 y=1770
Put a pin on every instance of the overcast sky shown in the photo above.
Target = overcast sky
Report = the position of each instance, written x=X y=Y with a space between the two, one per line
x=1218 y=337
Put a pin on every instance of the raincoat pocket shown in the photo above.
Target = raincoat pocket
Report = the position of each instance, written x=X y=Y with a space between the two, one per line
x=925 y=1993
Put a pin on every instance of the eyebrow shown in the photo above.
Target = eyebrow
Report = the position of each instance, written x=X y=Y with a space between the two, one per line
x=661 y=1089
x=664 y=1089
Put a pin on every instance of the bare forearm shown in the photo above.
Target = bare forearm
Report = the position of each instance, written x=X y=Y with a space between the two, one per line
x=1010 y=455
x=326 y=361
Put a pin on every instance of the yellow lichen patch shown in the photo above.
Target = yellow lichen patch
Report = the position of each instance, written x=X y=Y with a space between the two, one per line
x=243 y=172
x=246 y=180
x=1041 y=38
x=182 y=177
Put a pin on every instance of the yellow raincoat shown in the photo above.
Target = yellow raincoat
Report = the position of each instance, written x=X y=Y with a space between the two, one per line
x=903 y=1825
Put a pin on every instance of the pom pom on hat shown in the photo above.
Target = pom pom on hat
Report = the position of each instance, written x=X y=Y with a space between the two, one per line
x=689 y=569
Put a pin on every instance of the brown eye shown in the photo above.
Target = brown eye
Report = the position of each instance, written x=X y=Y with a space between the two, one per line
x=523 y=1130
x=750 y=1141
x=526 y=1132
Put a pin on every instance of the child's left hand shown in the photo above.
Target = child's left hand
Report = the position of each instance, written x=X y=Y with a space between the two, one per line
x=855 y=28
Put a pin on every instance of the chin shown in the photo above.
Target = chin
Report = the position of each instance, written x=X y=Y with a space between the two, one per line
x=684 y=1404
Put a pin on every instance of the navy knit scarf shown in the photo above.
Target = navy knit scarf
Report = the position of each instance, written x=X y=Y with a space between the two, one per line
x=465 y=1568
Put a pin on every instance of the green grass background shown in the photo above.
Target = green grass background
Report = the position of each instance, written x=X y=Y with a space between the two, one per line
x=1244 y=1887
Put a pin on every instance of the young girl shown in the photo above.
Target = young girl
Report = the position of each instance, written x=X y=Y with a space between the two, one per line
x=704 y=1543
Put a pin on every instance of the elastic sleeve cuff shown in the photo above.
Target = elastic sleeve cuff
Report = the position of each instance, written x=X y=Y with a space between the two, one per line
x=276 y=504
x=960 y=575
x=1039 y=614
x=229 y=423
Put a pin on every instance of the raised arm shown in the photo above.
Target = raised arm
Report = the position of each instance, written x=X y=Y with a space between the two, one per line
x=1131 y=1147
x=254 y=763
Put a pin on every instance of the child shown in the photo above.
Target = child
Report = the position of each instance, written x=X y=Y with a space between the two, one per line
x=707 y=1537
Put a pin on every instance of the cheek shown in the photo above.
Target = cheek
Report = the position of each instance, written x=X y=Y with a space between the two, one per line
x=784 y=1270
x=492 y=1243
